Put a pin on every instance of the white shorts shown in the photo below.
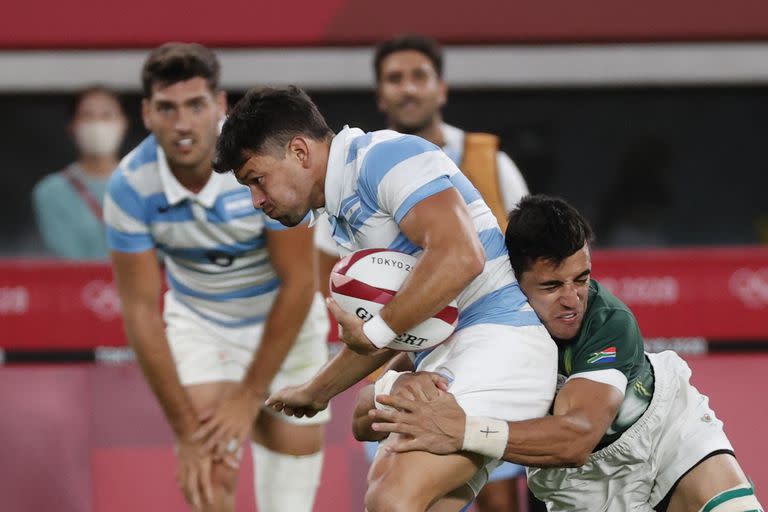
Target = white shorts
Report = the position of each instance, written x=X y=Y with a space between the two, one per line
x=499 y=371
x=635 y=472
x=207 y=352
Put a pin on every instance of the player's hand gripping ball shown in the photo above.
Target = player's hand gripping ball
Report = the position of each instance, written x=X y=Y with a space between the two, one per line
x=363 y=282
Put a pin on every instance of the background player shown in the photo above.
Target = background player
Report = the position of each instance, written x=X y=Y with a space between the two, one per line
x=241 y=287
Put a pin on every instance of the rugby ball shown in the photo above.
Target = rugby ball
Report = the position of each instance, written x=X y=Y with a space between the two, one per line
x=363 y=282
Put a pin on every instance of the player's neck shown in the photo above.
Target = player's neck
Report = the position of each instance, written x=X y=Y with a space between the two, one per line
x=433 y=132
x=192 y=178
x=97 y=166
x=322 y=152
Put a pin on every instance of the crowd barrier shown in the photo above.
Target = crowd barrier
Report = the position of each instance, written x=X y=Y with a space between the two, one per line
x=711 y=298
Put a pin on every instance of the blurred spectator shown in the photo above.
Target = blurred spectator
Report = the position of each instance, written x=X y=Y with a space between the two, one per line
x=68 y=203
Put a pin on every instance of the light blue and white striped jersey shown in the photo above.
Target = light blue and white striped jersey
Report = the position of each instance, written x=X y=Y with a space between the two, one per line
x=213 y=243
x=373 y=181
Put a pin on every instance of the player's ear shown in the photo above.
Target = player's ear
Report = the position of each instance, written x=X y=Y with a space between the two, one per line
x=299 y=148
x=145 y=114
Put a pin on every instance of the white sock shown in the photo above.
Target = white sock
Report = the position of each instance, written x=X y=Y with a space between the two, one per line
x=285 y=483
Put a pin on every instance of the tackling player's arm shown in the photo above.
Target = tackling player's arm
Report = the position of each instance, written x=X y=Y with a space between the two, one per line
x=139 y=282
x=583 y=411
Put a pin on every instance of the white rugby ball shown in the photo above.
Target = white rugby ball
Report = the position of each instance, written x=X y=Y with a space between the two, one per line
x=363 y=282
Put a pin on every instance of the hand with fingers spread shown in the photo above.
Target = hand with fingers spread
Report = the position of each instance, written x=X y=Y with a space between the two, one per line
x=298 y=401
x=351 y=329
x=222 y=433
x=434 y=425
x=193 y=474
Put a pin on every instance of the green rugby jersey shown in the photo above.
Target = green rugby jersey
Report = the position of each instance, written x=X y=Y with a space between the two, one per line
x=610 y=338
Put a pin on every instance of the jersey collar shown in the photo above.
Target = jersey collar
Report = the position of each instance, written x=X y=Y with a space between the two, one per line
x=337 y=163
x=175 y=192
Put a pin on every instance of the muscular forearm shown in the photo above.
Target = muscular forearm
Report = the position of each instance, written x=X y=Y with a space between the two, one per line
x=552 y=441
x=146 y=333
x=281 y=329
x=433 y=283
x=344 y=370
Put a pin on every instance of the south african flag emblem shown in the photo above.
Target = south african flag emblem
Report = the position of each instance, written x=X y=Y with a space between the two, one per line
x=607 y=355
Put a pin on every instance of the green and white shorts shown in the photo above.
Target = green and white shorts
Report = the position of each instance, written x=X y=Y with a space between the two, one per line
x=635 y=472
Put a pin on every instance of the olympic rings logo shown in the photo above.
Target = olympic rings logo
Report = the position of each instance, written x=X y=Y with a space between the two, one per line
x=101 y=298
x=751 y=286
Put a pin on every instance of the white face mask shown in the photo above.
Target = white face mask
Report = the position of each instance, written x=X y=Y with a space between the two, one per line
x=98 y=137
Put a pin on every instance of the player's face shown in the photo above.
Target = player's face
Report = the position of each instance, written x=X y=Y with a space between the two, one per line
x=558 y=293
x=282 y=187
x=409 y=91
x=184 y=117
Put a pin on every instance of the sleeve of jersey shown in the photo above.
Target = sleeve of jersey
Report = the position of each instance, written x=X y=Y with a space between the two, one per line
x=125 y=217
x=398 y=174
x=610 y=350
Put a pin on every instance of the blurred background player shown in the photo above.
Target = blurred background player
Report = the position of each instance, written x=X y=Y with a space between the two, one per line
x=411 y=92
x=68 y=204
x=241 y=314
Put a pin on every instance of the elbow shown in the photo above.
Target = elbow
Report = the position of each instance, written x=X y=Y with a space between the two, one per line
x=575 y=452
x=573 y=458
x=472 y=263
x=358 y=433
x=361 y=431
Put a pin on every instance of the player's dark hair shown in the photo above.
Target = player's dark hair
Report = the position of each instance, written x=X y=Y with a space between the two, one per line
x=177 y=62
x=422 y=44
x=93 y=89
x=544 y=227
x=266 y=120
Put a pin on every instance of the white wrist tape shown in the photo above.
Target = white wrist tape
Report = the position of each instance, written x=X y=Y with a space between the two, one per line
x=377 y=330
x=486 y=436
x=383 y=386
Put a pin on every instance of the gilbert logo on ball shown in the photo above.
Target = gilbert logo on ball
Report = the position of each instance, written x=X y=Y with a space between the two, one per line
x=363 y=282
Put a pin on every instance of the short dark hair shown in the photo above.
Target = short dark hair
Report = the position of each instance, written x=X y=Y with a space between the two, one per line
x=177 y=62
x=544 y=227
x=417 y=42
x=267 y=118
x=93 y=89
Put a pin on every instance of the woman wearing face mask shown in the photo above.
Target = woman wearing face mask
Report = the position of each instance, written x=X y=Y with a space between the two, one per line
x=68 y=203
